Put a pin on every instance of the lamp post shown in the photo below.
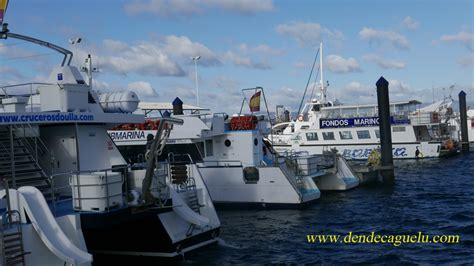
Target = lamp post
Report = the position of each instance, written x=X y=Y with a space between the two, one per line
x=195 y=59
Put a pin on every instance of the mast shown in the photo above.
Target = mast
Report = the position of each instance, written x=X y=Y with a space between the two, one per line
x=323 y=91
x=89 y=70
x=5 y=33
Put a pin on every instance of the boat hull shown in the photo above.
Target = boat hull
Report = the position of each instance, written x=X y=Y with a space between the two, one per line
x=361 y=151
x=228 y=188
x=135 y=232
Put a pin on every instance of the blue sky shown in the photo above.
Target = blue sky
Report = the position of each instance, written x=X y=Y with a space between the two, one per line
x=146 y=46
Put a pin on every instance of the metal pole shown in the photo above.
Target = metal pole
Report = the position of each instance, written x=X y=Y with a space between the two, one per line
x=385 y=130
x=107 y=190
x=464 y=133
x=7 y=193
x=195 y=59
x=12 y=158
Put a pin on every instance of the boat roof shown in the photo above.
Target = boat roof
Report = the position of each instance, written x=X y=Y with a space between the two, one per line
x=410 y=102
x=154 y=106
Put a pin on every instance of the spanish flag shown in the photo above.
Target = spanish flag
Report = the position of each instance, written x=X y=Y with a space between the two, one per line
x=3 y=10
x=255 y=102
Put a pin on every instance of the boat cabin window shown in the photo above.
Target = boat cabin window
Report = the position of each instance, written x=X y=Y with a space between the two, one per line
x=328 y=136
x=316 y=108
x=200 y=146
x=312 y=136
x=296 y=137
x=209 y=148
x=304 y=127
x=188 y=148
x=377 y=133
x=345 y=134
x=363 y=134
x=398 y=129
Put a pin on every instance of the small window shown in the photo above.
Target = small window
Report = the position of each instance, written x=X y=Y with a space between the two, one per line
x=377 y=133
x=304 y=127
x=345 y=134
x=200 y=146
x=251 y=175
x=312 y=136
x=296 y=137
x=328 y=136
x=209 y=148
x=398 y=129
x=363 y=134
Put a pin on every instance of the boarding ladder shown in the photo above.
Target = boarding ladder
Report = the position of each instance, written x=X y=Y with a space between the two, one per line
x=291 y=162
x=184 y=181
x=20 y=160
x=11 y=239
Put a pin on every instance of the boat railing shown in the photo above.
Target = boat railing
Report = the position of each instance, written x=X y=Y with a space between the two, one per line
x=36 y=147
x=303 y=164
x=223 y=163
x=23 y=90
x=423 y=118
x=11 y=239
x=98 y=190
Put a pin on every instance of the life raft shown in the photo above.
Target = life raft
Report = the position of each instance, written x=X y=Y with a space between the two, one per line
x=248 y=122
x=148 y=125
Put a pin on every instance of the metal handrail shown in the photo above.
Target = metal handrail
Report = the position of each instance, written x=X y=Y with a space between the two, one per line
x=226 y=162
x=53 y=177
x=33 y=149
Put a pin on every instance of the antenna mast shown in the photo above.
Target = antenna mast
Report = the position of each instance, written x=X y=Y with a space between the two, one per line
x=5 y=33
x=323 y=87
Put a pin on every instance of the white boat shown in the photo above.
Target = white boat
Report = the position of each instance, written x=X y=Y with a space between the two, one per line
x=72 y=194
x=470 y=128
x=238 y=166
x=354 y=129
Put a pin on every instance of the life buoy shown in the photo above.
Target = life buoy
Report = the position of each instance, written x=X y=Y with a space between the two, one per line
x=300 y=118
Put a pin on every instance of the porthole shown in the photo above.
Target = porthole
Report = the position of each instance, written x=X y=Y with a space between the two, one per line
x=255 y=142
x=227 y=143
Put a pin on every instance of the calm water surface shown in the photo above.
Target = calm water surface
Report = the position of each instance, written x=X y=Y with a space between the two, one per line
x=432 y=196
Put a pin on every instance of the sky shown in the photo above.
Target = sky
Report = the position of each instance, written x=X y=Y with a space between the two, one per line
x=425 y=49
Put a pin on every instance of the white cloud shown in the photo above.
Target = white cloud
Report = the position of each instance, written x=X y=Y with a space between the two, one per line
x=357 y=93
x=223 y=82
x=11 y=72
x=462 y=37
x=384 y=62
x=143 y=89
x=467 y=60
x=114 y=46
x=300 y=64
x=241 y=6
x=157 y=58
x=185 y=8
x=378 y=36
x=239 y=60
x=182 y=46
x=307 y=33
x=260 y=49
x=410 y=23
x=144 y=58
x=338 y=64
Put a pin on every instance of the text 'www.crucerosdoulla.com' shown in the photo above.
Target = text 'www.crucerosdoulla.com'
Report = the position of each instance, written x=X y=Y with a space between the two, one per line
x=374 y=238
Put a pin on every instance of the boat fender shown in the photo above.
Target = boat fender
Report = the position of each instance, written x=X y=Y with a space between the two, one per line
x=134 y=197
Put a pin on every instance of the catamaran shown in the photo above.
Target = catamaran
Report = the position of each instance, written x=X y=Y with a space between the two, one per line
x=68 y=194
x=354 y=129
x=470 y=128
x=238 y=165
